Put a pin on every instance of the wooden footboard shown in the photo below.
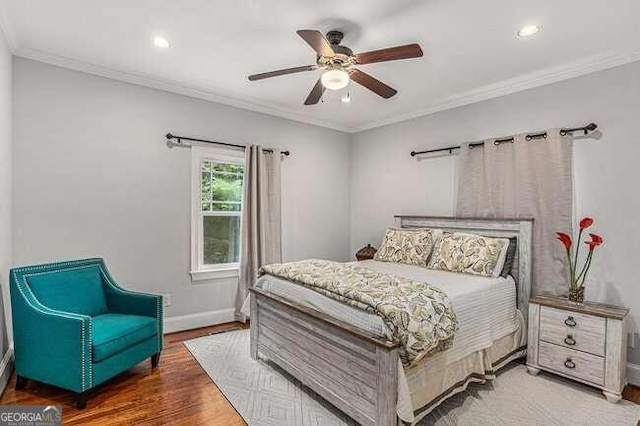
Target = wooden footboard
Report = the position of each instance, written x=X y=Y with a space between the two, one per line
x=354 y=370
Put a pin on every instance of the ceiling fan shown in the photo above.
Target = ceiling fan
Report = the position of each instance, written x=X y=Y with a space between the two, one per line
x=337 y=62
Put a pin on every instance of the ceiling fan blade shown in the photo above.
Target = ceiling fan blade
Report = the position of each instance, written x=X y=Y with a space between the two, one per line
x=316 y=40
x=372 y=84
x=255 y=77
x=316 y=94
x=391 y=54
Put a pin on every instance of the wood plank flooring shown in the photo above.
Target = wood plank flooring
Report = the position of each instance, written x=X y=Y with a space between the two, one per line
x=177 y=392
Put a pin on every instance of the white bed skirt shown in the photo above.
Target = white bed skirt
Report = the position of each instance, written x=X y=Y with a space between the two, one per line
x=423 y=387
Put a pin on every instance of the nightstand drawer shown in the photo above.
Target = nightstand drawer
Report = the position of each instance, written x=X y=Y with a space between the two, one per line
x=572 y=363
x=573 y=330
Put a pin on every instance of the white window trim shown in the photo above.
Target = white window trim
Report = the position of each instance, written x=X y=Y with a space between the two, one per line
x=198 y=271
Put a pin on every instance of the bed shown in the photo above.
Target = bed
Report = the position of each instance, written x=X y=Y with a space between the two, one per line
x=348 y=357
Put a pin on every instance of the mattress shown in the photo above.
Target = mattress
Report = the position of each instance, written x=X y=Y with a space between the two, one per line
x=485 y=309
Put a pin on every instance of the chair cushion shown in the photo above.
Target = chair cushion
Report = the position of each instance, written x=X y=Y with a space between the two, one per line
x=113 y=333
x=77 y=290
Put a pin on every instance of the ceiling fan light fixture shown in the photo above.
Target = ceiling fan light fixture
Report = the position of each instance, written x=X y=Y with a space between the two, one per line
x=335 y=79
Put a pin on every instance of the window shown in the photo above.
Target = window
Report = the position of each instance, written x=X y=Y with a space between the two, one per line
x=217 y=208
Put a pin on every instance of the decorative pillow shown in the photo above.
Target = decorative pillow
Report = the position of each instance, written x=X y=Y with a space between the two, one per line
x=510 y=257
x=410 y=246
x=469 y=254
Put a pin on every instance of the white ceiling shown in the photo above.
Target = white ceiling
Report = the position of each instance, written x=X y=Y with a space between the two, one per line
x=471 y=49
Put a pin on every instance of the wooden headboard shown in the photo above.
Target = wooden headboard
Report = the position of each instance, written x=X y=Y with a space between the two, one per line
x=519 y=228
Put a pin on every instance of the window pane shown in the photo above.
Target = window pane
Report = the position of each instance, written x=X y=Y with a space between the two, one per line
x=227 y=186
x=206 y=207
x=221 y=239
x=222 y=184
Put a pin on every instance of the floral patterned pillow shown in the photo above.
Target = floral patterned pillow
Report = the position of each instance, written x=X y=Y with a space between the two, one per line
x=469 y=254
x=410 y=246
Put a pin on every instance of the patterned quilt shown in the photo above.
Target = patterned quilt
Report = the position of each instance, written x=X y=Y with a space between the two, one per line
x=419 y=315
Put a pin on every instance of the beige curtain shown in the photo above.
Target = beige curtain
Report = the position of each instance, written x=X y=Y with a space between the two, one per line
x=524 y=179
x=261 y=218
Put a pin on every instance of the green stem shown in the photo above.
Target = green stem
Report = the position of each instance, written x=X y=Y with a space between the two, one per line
x=575 y=261
x=584 y=277
x=572 y=283
x=585 y=266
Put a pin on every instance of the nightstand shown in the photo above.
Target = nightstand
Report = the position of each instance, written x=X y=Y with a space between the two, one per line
x=586 y=342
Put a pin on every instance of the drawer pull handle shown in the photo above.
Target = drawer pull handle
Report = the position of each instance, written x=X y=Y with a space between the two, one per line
x=569 y=364
x=570 y=322
x=569 y=340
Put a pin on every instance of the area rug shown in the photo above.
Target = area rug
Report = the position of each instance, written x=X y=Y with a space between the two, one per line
x=266 y=396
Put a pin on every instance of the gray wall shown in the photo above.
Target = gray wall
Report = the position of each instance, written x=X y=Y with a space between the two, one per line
x=94 y=177
x=5 y=195
x=387 y=181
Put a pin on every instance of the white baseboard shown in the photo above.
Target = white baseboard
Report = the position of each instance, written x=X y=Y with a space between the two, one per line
x=633 y=374
x=6 y=368
x=200 y=319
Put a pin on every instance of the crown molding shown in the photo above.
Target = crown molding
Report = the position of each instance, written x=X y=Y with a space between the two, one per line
x=170 y=86
x=524 y=82
x=521 y=83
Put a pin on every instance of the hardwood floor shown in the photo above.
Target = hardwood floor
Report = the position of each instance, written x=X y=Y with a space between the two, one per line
x=177 y=392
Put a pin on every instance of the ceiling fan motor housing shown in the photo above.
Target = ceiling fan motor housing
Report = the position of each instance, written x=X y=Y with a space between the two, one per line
x=335 y=37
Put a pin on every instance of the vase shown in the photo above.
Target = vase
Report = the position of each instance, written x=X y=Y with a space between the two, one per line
x=576 y=295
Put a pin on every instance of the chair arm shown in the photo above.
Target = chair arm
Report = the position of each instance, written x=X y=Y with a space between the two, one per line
x=50 y=346
x=128 y=302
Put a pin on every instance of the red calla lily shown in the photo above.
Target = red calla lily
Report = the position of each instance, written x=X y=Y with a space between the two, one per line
x=585 y=223
x=564 y=239
x=596 y=240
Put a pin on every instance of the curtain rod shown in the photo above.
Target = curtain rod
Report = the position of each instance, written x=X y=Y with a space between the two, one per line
x=586 y=129
x=179 y=140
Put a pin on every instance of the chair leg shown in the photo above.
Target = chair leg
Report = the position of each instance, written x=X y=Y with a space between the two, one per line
x=155 y=360
x=81 y=401
x=21 y=382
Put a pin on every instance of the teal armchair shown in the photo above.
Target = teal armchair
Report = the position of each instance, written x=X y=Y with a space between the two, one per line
x=74 y=327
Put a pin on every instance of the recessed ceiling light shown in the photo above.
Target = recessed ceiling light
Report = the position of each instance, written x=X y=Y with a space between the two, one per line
x=529 y=30
x=160 y=42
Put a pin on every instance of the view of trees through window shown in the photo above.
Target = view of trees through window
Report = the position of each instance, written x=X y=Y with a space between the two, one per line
x=221 y=197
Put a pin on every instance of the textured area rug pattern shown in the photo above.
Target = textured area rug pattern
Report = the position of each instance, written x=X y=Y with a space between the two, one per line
x=266 y=396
